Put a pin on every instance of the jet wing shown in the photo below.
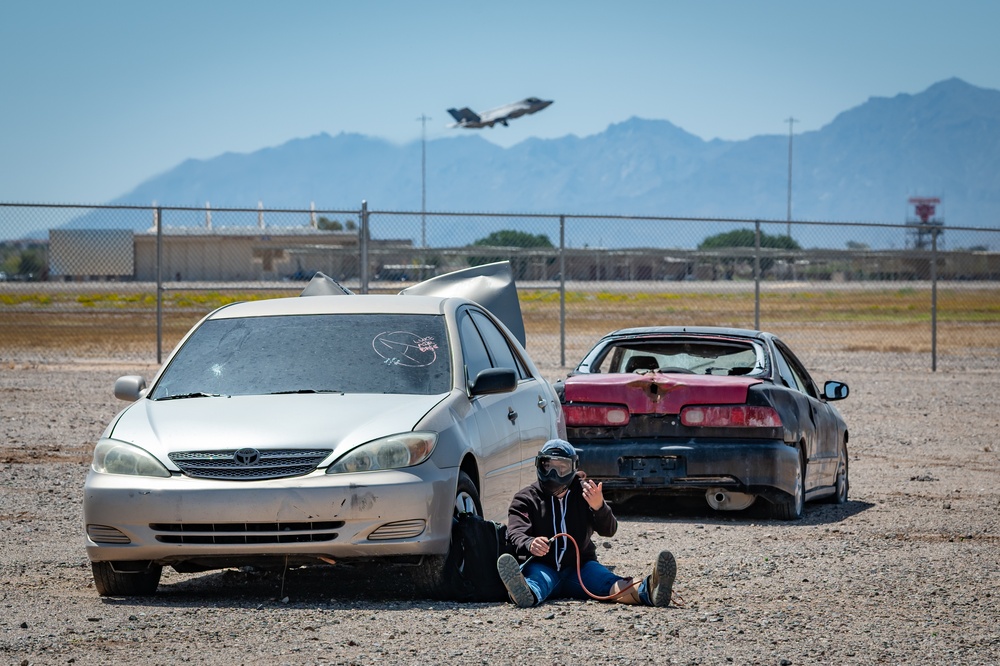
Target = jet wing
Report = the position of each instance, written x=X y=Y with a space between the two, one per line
x=465 y=117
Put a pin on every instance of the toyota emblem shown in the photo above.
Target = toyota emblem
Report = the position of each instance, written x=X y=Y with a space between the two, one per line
x=246 y=457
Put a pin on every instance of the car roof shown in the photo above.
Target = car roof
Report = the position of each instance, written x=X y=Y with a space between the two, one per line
x=357 y=304
x=692 y=330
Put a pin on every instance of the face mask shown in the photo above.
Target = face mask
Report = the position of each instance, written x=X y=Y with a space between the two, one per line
x=555 y=473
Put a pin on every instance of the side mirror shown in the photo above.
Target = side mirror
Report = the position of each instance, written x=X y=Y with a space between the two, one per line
x=130 y=388
x=494 y=380
x=835 y=390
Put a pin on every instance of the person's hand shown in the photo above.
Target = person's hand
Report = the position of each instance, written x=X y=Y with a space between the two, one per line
x=539 y=546
x=593 y=493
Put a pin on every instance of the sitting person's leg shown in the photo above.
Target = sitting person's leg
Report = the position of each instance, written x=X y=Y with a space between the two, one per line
x=528 y=586
x=597 y=578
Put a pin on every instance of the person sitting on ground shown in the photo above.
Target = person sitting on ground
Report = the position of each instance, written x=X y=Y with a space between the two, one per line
x=564 y=501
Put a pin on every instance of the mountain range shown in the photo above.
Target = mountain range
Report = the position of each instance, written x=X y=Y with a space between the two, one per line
x=861 y=167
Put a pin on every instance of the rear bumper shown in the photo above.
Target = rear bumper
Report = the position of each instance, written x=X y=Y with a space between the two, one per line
x=627 y=467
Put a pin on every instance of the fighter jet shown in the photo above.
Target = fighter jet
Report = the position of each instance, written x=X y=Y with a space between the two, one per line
x=468 y=119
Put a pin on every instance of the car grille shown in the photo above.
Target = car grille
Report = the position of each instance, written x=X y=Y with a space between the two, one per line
x=266 y=464
x=246 y=533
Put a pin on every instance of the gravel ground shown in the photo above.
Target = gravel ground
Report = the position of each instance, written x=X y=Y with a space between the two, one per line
x=906 y=572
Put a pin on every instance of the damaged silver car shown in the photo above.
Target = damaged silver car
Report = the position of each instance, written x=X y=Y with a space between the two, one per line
x=326 y=428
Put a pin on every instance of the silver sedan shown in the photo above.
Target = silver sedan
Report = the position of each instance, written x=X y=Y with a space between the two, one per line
x=318 y=429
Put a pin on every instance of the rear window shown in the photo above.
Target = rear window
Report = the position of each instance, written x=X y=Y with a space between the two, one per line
x=349 y=353
x=702 y=357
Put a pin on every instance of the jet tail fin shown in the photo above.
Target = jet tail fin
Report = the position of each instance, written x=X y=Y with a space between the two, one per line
x=464 y=115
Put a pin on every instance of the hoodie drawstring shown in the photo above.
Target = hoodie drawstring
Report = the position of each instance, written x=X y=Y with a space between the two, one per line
x=559 y=528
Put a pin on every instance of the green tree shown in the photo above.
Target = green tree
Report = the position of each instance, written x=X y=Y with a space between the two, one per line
x=746 y=238
x=32 y=263
x=326 y=224
x=510 y=240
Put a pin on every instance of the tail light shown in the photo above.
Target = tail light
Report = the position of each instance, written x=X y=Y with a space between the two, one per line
x=584 y=414
x=730 y=416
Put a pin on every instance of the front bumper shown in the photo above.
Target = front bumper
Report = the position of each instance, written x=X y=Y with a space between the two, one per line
x=631 y=467
x=343 y=516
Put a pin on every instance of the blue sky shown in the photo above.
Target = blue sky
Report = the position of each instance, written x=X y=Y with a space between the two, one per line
x=98 y=96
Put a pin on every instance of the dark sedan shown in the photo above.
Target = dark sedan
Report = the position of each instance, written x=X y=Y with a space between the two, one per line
x=730 y=414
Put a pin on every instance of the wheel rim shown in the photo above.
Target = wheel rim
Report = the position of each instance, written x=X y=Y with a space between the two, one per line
x=842 y=477
x=799 y=491
x=464 y=503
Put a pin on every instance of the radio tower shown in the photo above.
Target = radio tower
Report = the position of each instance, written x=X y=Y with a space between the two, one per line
x=923 y=222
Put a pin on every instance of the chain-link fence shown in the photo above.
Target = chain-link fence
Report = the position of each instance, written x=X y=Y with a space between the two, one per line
x=125 y=282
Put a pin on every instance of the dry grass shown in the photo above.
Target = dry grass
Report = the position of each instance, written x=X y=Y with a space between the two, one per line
x=114 y=325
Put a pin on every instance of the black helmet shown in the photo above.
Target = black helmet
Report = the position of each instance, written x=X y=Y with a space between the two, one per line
x=556 y=465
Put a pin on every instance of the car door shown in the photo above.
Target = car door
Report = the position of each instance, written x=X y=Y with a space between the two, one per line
x=497 y=439
x=530 y=401
x=821 y=433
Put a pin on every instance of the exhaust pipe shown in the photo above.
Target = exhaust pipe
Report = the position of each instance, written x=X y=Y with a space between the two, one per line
x=721 y=499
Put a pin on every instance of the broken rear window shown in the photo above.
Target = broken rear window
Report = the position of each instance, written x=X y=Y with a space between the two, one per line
x=689 y=355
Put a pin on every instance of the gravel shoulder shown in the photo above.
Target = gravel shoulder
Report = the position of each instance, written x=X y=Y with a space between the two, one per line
x=906 y=572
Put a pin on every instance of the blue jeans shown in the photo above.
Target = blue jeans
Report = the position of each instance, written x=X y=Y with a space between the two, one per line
x=546 y=582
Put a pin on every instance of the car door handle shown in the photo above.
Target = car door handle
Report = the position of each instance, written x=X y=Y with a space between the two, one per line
x=542 y=403
x=512 y=415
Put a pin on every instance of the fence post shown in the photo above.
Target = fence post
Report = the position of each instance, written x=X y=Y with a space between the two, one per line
x=756 y=275
x=562 y=291
x=934 y=235
x=159 y=284
x=363 y=247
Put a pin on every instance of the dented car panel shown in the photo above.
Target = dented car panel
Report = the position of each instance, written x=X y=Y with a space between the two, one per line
x=728 y=413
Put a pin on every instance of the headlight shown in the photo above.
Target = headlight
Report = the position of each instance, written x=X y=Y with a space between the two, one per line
x=112 y=457
x=392 y=452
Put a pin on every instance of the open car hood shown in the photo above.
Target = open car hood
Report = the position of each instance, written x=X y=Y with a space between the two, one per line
x=490 y=285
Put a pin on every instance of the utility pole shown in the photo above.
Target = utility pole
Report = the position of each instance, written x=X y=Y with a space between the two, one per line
x=790 y=121
x=423 y=179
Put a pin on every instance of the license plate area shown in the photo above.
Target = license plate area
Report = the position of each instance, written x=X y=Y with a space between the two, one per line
x=644 y=467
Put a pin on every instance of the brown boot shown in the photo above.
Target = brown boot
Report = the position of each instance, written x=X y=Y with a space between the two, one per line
x=513 y=580
x=661 y=581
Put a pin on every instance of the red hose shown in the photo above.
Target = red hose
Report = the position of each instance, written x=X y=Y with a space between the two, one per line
x=579 y=576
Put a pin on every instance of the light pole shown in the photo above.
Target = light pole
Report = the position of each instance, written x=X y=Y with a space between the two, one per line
x=790 y=121
x=423 y=179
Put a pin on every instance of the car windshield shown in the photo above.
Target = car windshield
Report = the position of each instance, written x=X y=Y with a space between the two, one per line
x=686 y=355
x=325 y=353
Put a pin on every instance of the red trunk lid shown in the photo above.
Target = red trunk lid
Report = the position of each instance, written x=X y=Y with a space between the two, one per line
x=656 y=393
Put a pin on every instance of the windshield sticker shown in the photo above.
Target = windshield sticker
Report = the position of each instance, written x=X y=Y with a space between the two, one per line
x=406 y=349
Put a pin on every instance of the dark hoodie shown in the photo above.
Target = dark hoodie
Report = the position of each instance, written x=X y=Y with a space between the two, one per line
x=531 y=515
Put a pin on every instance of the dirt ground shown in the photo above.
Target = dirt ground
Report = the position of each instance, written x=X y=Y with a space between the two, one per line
x=907 y=572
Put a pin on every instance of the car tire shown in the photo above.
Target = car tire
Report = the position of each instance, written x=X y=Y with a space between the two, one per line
x=467 y=496
x=111 y=583
x=791 y=508
x=842 y=481
x=429 y=576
